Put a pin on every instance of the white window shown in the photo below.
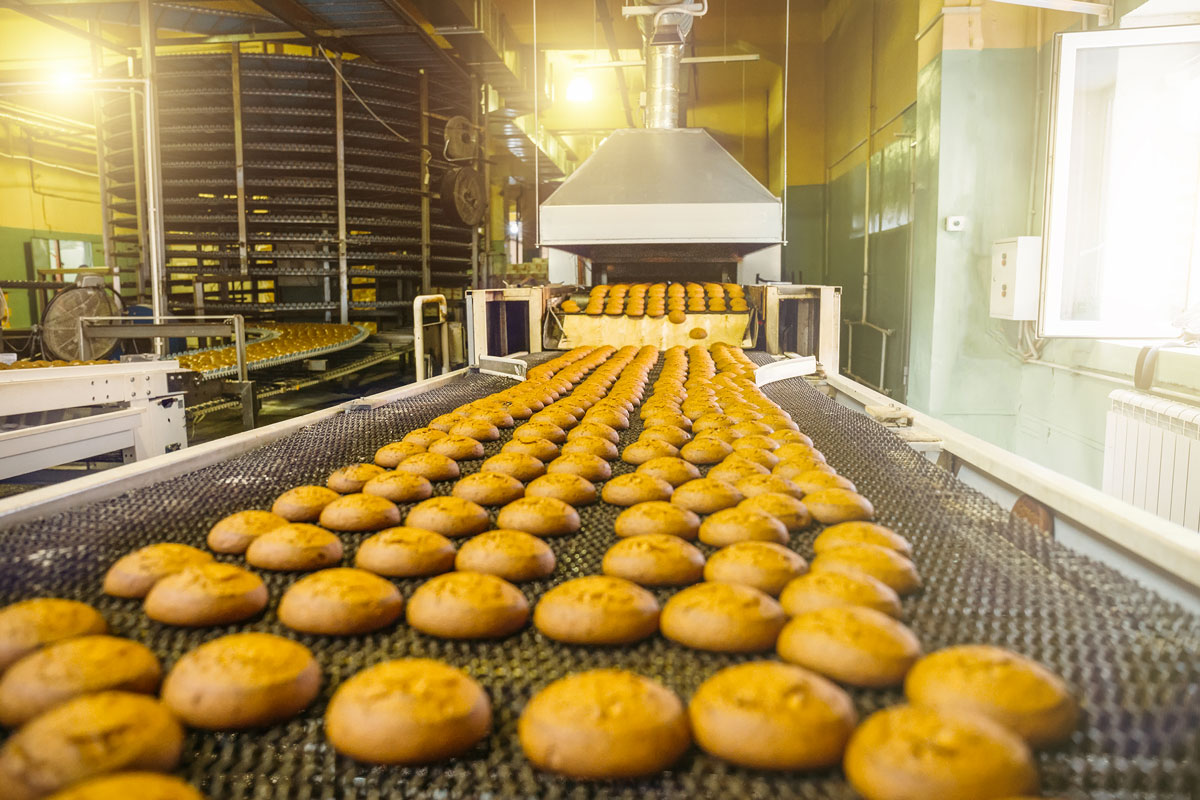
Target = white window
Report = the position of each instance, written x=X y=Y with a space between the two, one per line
x=1121 y=242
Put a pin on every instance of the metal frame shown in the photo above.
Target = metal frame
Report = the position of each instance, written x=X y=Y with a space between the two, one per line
x=477 y=317
x=419 y=326
x=767 y=298
x=239 y=156
x=829 y=314
x=152 y=421
x=1102 y=11
x=343 y=254
x=112 y=482
x=1152 y=550
x=1058 y=165
x=155 y=230
x=137 y=328
x=426 y=208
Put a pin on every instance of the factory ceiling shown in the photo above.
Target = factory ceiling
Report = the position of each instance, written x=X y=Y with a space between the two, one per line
x=492 y=40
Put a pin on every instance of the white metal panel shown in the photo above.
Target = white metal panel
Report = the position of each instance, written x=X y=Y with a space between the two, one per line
x=1191 y=513
x=1109 y=482
x=29 y=449
x=44 y=389
x=666 y=223
x=1152 y=455
x=1165 y=482
x=1141 y=459
x=1120 y=471
x=1179 y=476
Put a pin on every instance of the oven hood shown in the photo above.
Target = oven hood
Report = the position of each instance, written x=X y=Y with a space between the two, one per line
x=661 y=194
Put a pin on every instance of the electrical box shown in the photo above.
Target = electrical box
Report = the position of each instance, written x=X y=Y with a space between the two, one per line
x=1016 y=277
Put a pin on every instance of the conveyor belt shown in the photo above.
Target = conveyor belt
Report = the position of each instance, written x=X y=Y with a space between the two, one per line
x=989 y=578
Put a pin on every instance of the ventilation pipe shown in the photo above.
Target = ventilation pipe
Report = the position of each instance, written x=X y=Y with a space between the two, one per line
x=666 y=25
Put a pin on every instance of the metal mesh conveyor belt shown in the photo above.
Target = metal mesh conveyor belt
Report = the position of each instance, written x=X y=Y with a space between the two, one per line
x=989 y=578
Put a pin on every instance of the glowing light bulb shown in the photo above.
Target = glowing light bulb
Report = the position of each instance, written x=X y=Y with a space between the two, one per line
x=579 y=90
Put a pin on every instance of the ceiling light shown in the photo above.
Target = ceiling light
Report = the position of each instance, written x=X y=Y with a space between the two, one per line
x=579 y=90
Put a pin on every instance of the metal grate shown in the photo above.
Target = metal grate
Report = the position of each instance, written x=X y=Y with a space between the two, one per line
x=989 y=578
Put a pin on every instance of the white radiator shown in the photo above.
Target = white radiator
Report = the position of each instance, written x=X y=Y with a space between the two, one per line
x=1152 y=455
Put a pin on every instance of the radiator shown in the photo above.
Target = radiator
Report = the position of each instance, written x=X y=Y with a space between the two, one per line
x=1152 y=455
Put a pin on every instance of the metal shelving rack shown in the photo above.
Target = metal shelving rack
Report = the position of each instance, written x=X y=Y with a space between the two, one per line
x=282 y=192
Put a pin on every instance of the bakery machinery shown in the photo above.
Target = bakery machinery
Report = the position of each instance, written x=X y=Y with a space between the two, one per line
x=1109 y=600
x=1117 y=622
x=662 y=202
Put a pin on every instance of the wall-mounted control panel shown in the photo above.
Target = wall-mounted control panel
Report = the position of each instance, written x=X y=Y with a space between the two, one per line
x=1016 y=277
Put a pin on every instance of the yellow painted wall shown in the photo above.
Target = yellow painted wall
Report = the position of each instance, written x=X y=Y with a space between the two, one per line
x=870 y=53
x=42 y=200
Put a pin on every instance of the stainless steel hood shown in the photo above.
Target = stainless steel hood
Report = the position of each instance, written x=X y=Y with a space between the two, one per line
x=669 y=193
x=662 y=193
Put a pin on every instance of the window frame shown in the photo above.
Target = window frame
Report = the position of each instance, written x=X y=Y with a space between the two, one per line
x=1067 y=47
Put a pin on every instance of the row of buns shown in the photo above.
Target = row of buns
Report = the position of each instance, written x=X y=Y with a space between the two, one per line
x=837 y=619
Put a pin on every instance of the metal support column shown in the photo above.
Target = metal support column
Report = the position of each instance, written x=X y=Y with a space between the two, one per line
x=485 y=154
x=426 y=232
x=343 y=265
x=475 y=270
x=239 y=159
x=110 y=256
x=155 y=233
x=139 y=197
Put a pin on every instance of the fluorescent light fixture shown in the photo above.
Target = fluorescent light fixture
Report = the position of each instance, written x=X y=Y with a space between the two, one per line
x=579 y=90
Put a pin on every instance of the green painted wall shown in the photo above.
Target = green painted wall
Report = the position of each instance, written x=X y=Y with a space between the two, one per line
x=15 y=266
x=804 y=253
x=889 y=254
x=984 y=171
x=888 y=220
x=926 y=174
x=976 y=162
x=979 y=121
x=844 y=257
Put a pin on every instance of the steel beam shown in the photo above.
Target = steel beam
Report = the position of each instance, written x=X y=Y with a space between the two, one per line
x=343 y=263
x=156 y=232
x=610 y=36
x=1102 y=10
x=110 y=258
x=302 y=20
x=285 y=36
x=426 y=227
x=239 y=160
x=24 y=8
x=730 y=59
x=139 y=189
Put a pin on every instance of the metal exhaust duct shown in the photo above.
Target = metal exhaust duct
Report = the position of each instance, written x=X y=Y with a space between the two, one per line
x=662 y=193
x=666 y=33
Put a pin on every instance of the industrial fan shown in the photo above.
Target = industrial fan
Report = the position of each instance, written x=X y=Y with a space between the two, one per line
x=59 y=328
